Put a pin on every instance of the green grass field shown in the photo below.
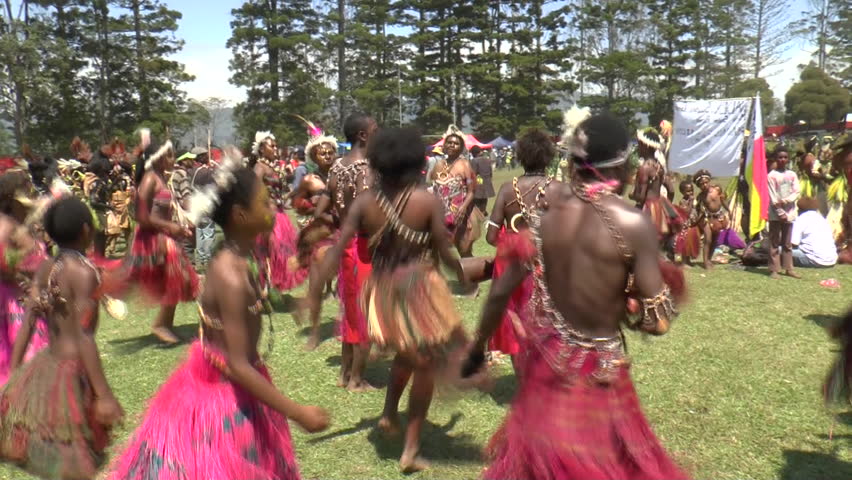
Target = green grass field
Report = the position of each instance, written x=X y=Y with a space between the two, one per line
x=733 y=391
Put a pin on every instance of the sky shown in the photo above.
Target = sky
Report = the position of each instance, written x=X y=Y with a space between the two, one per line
x=206 y=27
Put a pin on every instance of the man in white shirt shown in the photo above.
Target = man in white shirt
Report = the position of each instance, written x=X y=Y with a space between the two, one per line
x=812 y=237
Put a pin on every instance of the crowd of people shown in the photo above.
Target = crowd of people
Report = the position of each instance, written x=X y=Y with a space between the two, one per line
x=380 y=220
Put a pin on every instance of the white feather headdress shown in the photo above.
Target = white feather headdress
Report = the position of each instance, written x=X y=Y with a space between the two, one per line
x=573 y=140
x=316 y=137
x=259 y=138
x=160 y=153
x=659 y=147
x=203 y=202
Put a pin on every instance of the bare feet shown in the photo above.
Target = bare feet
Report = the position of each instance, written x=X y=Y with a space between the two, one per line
x=390 y=425
x=792 y=274
x=774 y=275
x=343 y=380
x=360 y=387
x=165 y=335
x=299 y=311
x=411 y=462
x=708 y=265
x=313 y=342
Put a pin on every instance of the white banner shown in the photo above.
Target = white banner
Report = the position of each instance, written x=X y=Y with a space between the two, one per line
x=708 y=134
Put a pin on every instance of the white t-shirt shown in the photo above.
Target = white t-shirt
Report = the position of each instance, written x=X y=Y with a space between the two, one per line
x=812 y=233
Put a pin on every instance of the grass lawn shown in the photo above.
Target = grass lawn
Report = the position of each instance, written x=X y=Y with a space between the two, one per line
x=733 y=391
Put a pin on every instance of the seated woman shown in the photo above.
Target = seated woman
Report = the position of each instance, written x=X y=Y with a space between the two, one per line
x=813 y=242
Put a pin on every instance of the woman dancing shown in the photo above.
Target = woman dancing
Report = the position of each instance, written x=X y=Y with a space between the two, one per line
x=20 y=256
x=575 y=362
x=156 y=259
x=455 y=183
x=406 y=301
x=276 y=250
x=509 y=225
x=219 y=416
x=57 y=409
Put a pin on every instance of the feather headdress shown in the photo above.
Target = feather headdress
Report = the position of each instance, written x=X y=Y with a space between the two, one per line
x=316 y=137
x=79 y=148
x=203 y=202
x=652 y=139
x=259 y=138
x=574 y=140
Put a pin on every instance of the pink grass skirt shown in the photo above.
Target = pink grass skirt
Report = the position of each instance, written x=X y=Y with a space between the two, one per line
x=201 y=426
x=505 y=339
x=355 y=269
x=160 y=267
x=279 y=248
x=587 y=431
x=12 y=317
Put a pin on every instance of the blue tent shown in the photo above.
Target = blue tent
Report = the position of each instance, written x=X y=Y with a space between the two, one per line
x=500 y=142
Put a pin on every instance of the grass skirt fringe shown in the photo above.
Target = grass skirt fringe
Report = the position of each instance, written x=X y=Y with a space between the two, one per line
x=509 y=246
x=12 y=318
x=159 y=265
x=588 y=431
x=663 y=214
x=409 y=308
x=200 y=426
x=46 y=421
x=355 y=269
x=279 y=249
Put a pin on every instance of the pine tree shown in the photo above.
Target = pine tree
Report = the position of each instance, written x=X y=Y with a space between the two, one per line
x=613 y=60
x=375 y=64
x=767 y=29
x=152 y=40
x=840 y=41
x=278 y=57
x=669 y=53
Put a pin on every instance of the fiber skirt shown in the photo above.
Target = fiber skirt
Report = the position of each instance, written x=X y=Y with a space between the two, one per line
x=160 y=267
x=201 y=426
x=588 y=430
x=47 y=424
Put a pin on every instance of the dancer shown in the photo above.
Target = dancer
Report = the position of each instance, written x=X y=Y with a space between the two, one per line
x=96 y=191
x=454 y=182
x=349 y=177
x=317 y=228
x=783 y=194
x=713 y=218
x=840 y=212
x=275 y=251
x=118 y=216
x=20 y=256
x=156 y=259
x=650 y=180
x=219 y=416
x=688 y=239
x=56 y=411
x=575 y=364
x=406 y=300
x=509 y=227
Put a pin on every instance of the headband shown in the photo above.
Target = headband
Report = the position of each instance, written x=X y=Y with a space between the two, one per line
x=160 y=153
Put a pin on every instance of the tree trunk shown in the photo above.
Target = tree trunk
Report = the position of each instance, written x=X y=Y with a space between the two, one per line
x=272 y=32
x=758 y=38
x=341 y=60
x=144 y=92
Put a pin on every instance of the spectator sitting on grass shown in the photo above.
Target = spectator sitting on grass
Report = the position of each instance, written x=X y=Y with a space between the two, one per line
x=812 y=238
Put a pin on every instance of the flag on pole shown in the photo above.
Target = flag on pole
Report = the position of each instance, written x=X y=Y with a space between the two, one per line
x=756 y=174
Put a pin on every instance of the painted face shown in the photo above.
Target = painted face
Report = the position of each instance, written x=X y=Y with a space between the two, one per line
x=269 y=149
x=704 y=184
x=259 y=217
x=452 y=147
x=782 y=158
x=323 y=155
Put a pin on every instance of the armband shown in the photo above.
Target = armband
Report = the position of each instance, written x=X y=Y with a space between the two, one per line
x=655 y=313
